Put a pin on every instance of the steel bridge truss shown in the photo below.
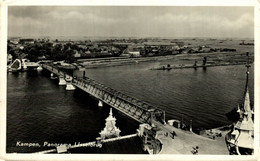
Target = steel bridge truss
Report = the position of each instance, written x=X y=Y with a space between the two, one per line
x=130 y=106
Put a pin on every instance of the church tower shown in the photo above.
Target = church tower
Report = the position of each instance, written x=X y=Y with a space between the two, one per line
x=240 y=140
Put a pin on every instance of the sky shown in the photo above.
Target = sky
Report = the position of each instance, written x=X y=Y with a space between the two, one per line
x=127 y=21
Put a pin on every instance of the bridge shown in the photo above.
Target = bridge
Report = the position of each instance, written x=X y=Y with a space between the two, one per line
x=156 y=135
x=130 y=106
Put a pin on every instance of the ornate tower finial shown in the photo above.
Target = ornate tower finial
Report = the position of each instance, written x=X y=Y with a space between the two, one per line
x=246 y=103
x=248 y=63
x=110 y=113
x=247 y=73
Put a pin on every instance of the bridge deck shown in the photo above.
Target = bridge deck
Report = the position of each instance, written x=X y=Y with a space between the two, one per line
x=184 y=142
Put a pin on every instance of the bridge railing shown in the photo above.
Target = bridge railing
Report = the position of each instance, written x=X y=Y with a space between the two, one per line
x=104 y=93
x=139 y=110
x=132 y=100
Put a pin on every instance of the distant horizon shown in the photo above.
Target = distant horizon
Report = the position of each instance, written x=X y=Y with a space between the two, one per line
x=123 y=37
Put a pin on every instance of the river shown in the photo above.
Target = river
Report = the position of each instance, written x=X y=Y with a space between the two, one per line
x=38 y=110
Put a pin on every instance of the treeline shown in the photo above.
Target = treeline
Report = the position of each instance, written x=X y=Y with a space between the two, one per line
x=39 y=50
x=60 y=51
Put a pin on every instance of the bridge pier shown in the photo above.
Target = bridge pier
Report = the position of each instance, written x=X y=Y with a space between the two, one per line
x=62 y=81
x=100 y=103
x=39 y=68
x=69 y=86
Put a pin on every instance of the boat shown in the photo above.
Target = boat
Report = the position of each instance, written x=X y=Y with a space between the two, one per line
x=240 y=140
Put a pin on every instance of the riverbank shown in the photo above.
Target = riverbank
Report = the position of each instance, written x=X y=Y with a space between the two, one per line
x=213 y=59
x=168 y=67
x=108 y=62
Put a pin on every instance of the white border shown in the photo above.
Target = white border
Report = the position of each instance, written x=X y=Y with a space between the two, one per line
x=3 y=44
x=135 y=2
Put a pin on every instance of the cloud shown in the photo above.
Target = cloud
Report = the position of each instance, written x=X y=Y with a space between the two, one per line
x=208 y=24
x=20 y=25
x=131 y=21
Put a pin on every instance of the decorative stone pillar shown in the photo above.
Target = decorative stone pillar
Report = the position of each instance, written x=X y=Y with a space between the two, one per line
x=170 y=122
x=190 y=125
x=141 y=128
